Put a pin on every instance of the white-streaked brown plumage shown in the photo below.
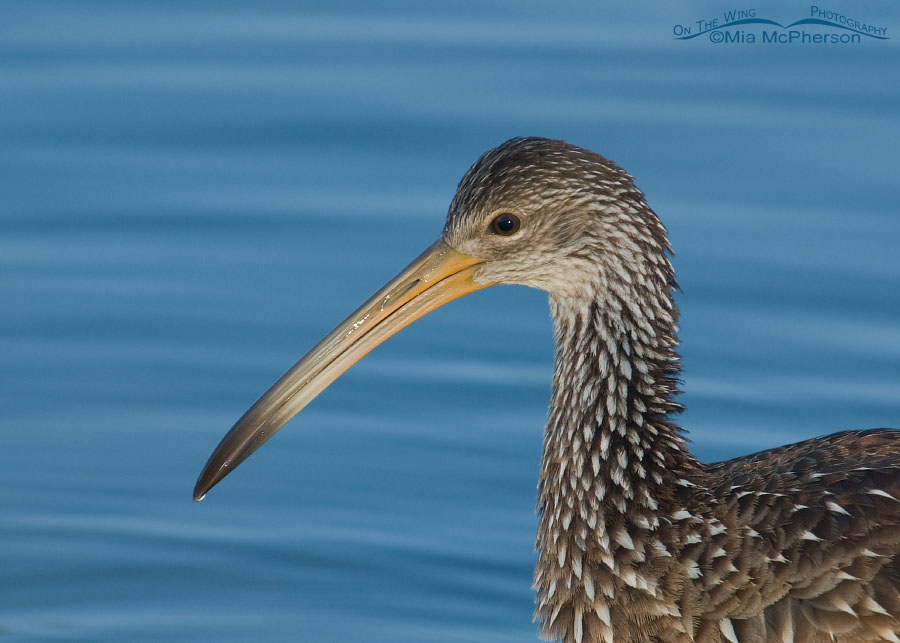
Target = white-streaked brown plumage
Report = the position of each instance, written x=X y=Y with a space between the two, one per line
x=637 y=540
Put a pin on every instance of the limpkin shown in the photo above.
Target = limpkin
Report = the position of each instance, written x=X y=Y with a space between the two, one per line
x=637 y=540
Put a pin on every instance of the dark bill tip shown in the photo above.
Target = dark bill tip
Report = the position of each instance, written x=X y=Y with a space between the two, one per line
x=236 y=447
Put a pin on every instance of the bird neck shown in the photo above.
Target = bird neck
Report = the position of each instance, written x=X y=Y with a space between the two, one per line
x=611 y=458
x=614 y=384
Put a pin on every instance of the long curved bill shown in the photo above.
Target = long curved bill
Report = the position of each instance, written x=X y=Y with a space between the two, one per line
x=437 y=276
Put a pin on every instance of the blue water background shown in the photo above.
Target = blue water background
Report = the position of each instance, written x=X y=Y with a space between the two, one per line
x=192 y=193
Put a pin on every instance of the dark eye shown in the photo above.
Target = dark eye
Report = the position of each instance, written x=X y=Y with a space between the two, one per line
x=505 y=224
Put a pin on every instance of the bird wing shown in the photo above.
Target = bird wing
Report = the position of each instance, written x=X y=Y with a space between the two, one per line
x=815 y=537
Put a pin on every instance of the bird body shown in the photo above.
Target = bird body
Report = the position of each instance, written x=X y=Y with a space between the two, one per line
x=637 y=540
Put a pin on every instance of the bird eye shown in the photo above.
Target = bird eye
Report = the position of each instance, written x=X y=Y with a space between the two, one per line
x=505 y=224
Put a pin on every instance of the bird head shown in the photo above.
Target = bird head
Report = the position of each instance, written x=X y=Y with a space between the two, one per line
x=550 y=215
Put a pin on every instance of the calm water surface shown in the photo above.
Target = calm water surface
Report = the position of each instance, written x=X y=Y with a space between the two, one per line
x=191 y=194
